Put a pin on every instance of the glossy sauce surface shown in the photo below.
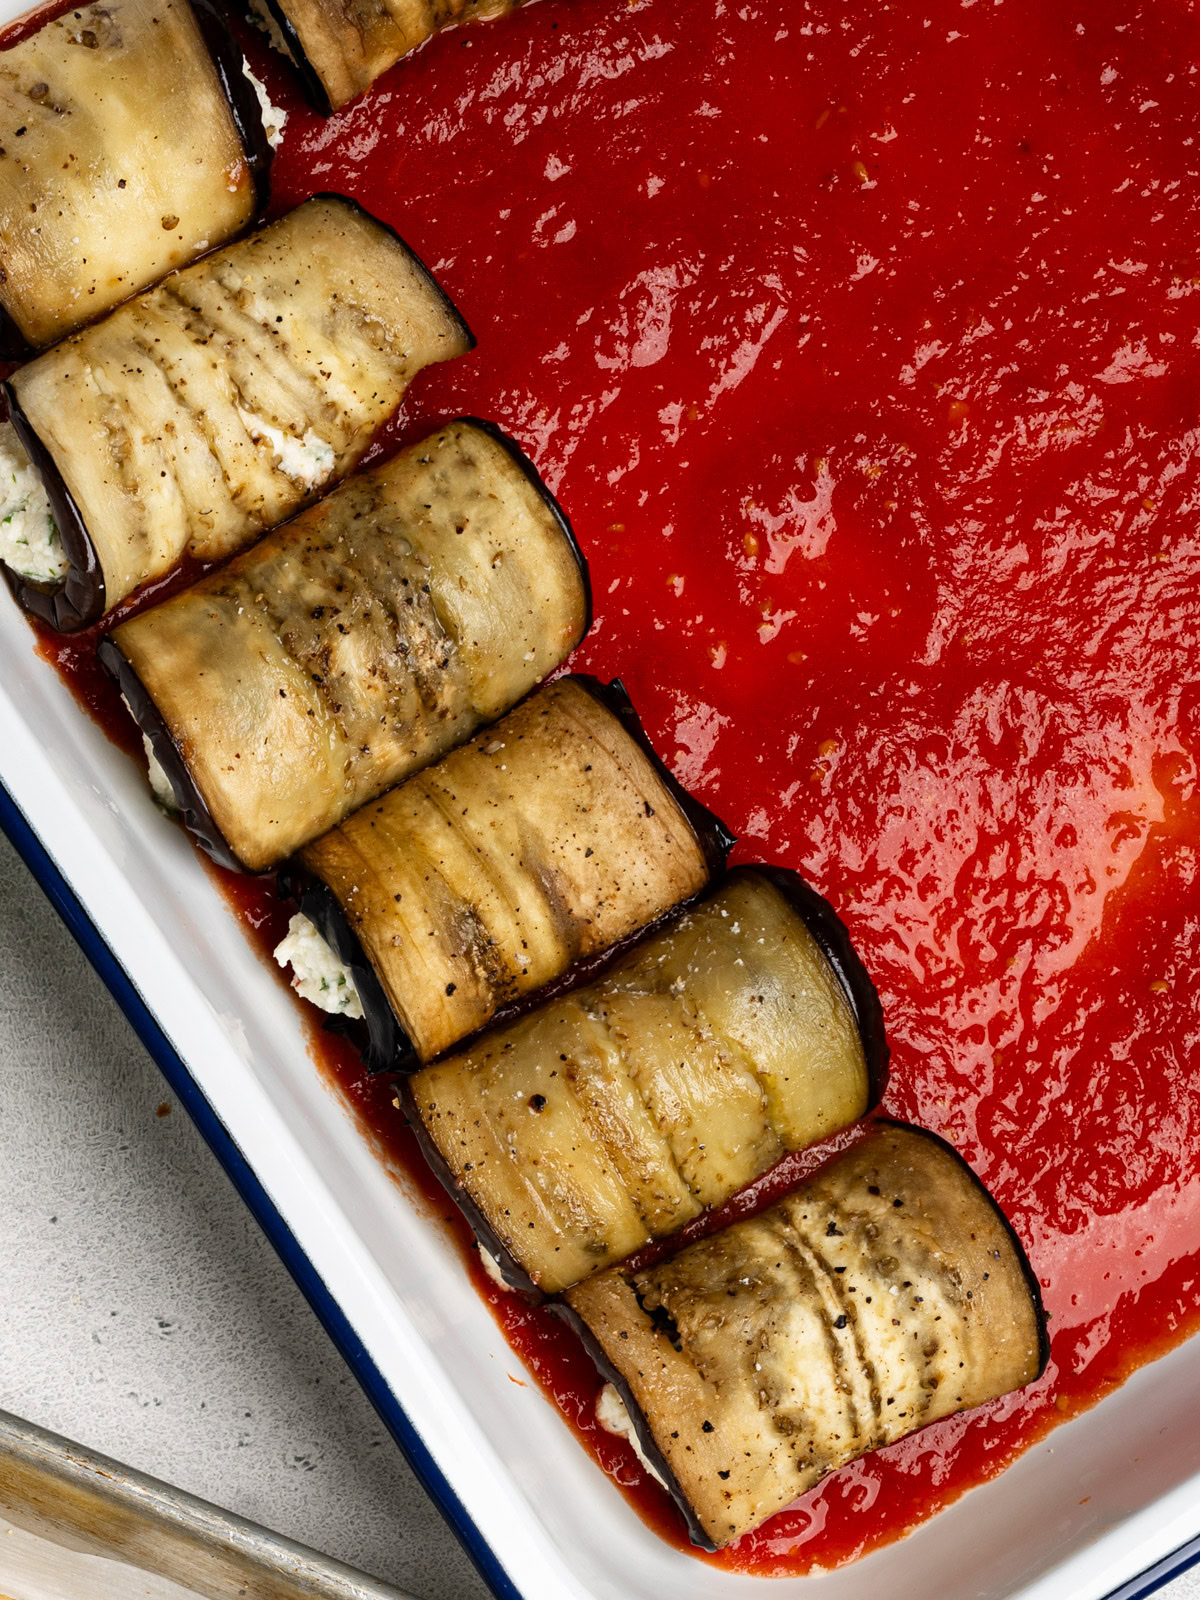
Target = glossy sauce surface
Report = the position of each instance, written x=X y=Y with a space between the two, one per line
x=862 y=345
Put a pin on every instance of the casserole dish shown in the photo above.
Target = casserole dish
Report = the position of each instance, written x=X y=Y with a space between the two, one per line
x=546 y=1522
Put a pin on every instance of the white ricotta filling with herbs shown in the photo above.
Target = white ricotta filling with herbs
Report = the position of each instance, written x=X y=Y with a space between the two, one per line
x=492 y=1267
x=614 y=1418
x=307 y=461
x=274 y=119
x=317 y=974
x=160 y=785
x=29 y=541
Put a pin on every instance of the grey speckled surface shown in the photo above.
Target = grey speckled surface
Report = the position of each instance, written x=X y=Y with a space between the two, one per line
x=144 y=1314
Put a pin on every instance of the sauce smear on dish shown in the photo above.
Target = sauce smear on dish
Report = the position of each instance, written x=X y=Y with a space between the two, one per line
x=862 y=346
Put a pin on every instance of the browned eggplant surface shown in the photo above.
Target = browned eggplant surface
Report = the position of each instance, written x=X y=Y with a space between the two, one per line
x=882 y=1294
x=614 y=1114
x=549 y=836
x=340 y=47
x=362 y=640
x=122 y=156
x=212 y=407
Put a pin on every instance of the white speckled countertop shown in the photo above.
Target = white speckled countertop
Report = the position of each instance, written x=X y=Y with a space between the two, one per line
x=144 y=1314
x=146 y=1317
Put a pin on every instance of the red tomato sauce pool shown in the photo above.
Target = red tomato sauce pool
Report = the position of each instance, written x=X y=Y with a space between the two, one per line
x=862 y=345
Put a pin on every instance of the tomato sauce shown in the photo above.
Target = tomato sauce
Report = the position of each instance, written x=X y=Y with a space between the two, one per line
x=862 y=345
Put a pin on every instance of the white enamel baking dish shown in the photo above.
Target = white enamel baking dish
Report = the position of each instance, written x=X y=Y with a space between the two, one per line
x=1108 y=1508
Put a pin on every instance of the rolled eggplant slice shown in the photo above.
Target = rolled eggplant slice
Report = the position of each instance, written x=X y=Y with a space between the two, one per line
x=132 y=142
x=212 y=407
x=339 y=47
x=551 y=835
x=615 y=1114
x=884 y=1293
x=357 y=643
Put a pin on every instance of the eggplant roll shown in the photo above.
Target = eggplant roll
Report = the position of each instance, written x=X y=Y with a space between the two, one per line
x=132 y=142
x=212 y=407
x=355 y=644
x=613 y=1115
x=551 y=835
x=884 y=1293
x=339 y=47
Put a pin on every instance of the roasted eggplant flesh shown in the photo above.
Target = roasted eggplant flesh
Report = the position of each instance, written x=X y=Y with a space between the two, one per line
x=341 y=46
x=364 y=639
x=614 y=1114
x=882 y=1294
x=551 y=835
x=209 y=409
x=121 y=158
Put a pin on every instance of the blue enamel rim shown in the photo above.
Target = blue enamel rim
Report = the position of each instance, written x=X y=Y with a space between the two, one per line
x=1161 y=1573
x=91 y=941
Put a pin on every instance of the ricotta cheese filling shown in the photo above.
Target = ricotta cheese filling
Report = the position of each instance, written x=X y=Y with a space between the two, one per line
x=317 y=974
x=492 y=1267
x=29 y=539
x=160 y=785
x=614 y=1418
x=307 y=461
x=274 y=118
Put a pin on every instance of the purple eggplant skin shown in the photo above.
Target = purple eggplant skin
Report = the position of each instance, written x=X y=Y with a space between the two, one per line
x=530 y=472
x=14 y=346
x=243 y=102
x=833 y=939
x=79 y=599
x=641 y=1427
x=190 y=802
x=314 y=89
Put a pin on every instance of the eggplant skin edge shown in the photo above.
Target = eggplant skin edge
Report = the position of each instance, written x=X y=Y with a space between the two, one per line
x=485 y=1235
x=381 y=1039
x=79 y=599
x=310 y=81
x=228 y=62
